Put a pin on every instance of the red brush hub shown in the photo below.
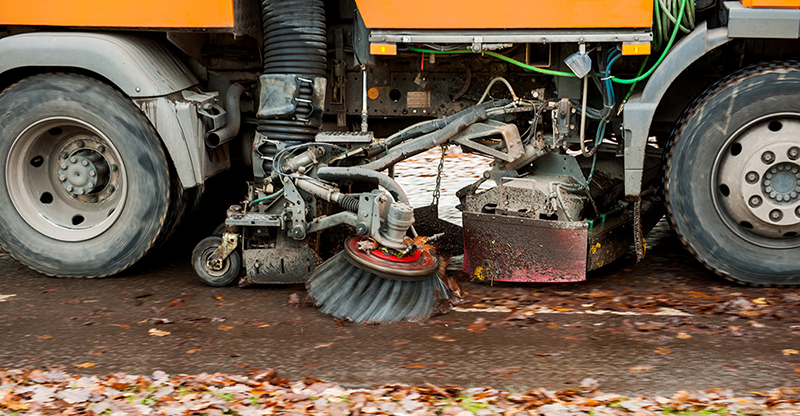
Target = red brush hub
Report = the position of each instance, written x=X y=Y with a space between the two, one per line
x=418 y=265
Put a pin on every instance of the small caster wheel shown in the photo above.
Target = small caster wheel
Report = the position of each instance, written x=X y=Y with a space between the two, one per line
x=231 y=266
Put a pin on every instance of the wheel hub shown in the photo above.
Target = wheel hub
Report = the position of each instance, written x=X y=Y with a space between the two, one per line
x=66 y=179
x=758 y=179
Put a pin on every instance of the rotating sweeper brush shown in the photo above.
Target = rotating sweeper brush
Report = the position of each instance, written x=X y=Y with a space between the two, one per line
x=370 y=284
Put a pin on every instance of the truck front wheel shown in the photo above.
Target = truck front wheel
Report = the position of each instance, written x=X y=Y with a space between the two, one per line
x=84 y=182
x=732 y=182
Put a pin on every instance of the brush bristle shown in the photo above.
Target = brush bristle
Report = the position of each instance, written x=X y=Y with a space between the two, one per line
x=344 y=290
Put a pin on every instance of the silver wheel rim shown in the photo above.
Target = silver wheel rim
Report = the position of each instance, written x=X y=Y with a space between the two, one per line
x=66 y=179
x=756 y=181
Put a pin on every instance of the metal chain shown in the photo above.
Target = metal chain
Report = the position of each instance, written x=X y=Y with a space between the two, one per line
x=436 y=192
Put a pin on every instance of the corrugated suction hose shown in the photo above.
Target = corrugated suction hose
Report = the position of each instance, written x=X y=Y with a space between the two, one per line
x=295 y=42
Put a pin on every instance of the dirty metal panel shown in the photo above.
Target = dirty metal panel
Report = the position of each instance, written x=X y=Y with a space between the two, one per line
x=289 y=262
x=516 y=249
x=428 y=223
x=610 y=240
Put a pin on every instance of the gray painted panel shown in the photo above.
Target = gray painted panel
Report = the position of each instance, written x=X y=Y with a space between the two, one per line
x=139 y=66
x=762 y=23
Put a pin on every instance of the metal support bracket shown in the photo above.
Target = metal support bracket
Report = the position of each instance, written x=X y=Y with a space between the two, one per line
x=229 y=243
x=509 y=132
x=297 y=209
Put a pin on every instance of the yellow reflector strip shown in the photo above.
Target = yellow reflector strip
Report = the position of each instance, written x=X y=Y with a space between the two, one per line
x=383 y=48
x=636 y=49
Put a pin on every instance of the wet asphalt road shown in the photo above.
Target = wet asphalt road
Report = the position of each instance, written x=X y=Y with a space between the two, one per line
x=47 y=321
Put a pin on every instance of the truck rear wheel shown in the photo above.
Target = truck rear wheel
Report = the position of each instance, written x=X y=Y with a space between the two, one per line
x=732 y=181
x=84 y=182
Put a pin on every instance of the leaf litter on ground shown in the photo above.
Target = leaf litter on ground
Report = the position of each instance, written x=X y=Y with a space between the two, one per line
x=262 y=392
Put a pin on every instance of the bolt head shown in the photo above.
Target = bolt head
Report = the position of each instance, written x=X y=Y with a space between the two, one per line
x=793 y=153
x=772 y=194
x=110 y=188
x=752 y=177
x=63 y=155
x=80 y=143
x=62 y=177
x=768 y=176
x=63 y=165
x=775 y=215
x=85 y=162
x=101 y=148
x=94 y=199
x=755 y=201
x=79 y=191
x=70 y=188
x=73 y=159
x=767 y=182
x=92 y=173
x=768 y=157
x=114 y=168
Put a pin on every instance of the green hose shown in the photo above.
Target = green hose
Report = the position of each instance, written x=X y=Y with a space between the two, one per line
x=661 y=25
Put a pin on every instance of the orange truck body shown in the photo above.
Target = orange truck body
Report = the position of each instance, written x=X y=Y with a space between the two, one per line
x=119 y=13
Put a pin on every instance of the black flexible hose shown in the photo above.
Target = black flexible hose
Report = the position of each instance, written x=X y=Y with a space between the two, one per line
x=295 y=42
x=348 y=202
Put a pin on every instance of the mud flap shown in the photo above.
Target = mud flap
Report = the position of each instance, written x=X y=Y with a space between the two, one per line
x=517 y=249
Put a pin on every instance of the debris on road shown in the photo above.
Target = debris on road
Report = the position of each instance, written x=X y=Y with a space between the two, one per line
x=53 y=390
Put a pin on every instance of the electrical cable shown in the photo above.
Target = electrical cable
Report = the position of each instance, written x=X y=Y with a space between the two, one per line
x=492 y=82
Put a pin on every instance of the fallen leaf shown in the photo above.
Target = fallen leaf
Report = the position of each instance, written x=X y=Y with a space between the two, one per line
x=49 y=290
x=443 y=338
x=265 y=326
x=124 y=326
x=413 y=366
x=552 y=325
x=157 y=332
x=98 y=352
x=750 y=314
x=294 y=300
x=697 y=294
x=639 y=368
x=224 y=327
x=45 y=336
x=683 y=335
x=325 y=345
x=367 y=244
x=15 y=405
x=85 y=365
x=663 y=351
x=194 y=350
x=789 y=352
x=479 y=325
x=400 y=341
x=73 y=301
x=438 y=390
x=759 y=301
x=548 y=354
x=175 y=303
x=564 y=309
x=219 y=298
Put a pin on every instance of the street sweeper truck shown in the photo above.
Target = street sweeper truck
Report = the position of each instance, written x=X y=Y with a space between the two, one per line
x=599 y=116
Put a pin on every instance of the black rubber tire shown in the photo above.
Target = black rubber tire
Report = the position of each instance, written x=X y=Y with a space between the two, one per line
x=143 y=215
x=701 y=133
x=231 y=267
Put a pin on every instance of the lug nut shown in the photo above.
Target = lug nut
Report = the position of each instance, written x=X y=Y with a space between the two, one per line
x=73 y=159
x=768 y=157
x=62 y=177
x=92 y=173
x=80 y=143
x=772 y=194
x=793 y=153
x=70 y=188
x=79 y=191
x=85 y=162
x=779 y=198
x=751 y=177
x=793 y=194
x=755 y=201
x=63 y=165
x=101 y=149
x=767 y=182
x=775 y=215
x=768 y=176
x=114 y=168
x=110 y=188
x=63 y=155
